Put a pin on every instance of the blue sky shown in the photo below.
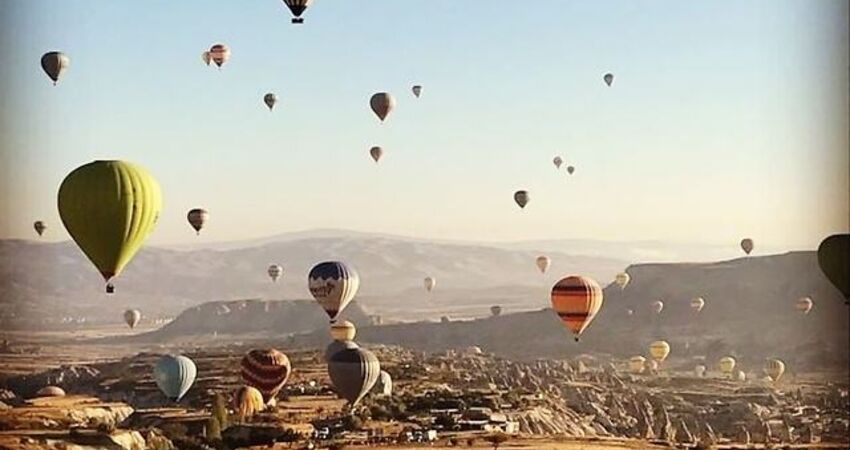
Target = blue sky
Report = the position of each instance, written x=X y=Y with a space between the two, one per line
x=725 y=118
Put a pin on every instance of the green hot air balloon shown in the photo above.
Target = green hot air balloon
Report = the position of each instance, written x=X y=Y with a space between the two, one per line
x=109 y=208
x=174 y=375
x=834 y=261
x=353 y=372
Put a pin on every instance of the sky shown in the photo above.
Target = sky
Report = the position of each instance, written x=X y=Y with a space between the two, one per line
x=726 y=118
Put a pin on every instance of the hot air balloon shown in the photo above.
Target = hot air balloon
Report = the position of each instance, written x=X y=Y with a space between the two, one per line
x=430 y=282
x=727 y=365
x=571 y=169
x=197 y=218
x=109 y=208
x=333 y=284
x=382 y=104
x=54 y=65
x=353 y=372
x=206 y=58
x=270 y=99
x=834 y=261
x=774 y=368
x=630 y=312
x=740 y=375
x=659 y=350
x=50 y=391
x=297 y=7
x=39 y=227
x=697 y=304
x=219 y=53
x=376 y=153
x=417 y=90
x=174 y=375
x=495 y=310
x=609 y=78
x=804 y=305
x=622 y=279
x=521 y=198
x=699 y=370
x=576 y=300
x=275 y=271
x=543 y=263
x=343 y=331
x=247 y=401
x=132 y=317
x=637 y=364
x=266 y=370
x=384 y=386
x=336 y=346
x=557 y=161
x=657 y=306
x=747 y=245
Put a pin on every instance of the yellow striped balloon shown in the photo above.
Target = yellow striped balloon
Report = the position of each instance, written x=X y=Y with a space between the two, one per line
x=576 y=300
x=343 y=331
x=247 y=401
x=266 y=370
x=659 y=350
x=109 y=208
x=774 y=368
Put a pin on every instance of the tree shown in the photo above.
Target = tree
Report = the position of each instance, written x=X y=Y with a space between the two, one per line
x=219 y=411
x=213 y=429
x=496 y=439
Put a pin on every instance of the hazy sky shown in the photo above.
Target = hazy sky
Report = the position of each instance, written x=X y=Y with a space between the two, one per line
x=725 y=119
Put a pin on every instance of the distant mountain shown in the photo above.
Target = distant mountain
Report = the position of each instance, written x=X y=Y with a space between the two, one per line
x=43 y=282
x=749 y=313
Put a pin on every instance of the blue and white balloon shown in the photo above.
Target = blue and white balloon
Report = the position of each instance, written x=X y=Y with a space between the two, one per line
x=174 y=375
x=333 y=284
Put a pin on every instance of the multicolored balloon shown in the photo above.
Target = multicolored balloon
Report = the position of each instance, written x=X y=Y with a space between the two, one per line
x=774 y=368
x=220 y=54
x=333 y=284
x=343 y=331
x=247 y=401
x=266 y=370
x=576 y=300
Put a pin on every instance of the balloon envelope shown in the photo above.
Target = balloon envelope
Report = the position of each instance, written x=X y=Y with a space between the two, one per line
x=774 y=368
x=50 y=391
x=747 y=245
x=219 y=53
x=382 y=104
x=834 y=261
x=609 y=78
x=266 y=370
x=376 y=153
x=571 y=169
x=417 y=90
x=543 y=263
x=270 y=99
x=557 y=161
x=132 y=317
x=297 y=7
x=430 y=282
x=353 y=372
x=333 y=284
x=247 y=401
x=197 y=218
x=343 y=331
x=727 y=364
x=206 y=58
x=622 y=279
x=39 y=227
x=109 y=208
x=659 y=350
x=495 y=310
x=174 y=375
x=576 y=300
x=521 y=198
x=697 y=304
x=637 y=364
x=804 y=305
x=275 y=271
x=384 y=386
x=54 y=65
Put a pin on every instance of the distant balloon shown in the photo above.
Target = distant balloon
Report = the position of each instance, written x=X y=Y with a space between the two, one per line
x=417 y=90
x=630 y=311
x=657 y=306
x=659 y=350
x=376 y=153
x=174 y=375
x=109 y=208
x=622 y=279
x=496 y=310
x=50 y=391
x=543 y=263
x=132 y=317
x=834 y=261
x=637 y=364
x=804 y=305
x=774 y=369
x=557 y=161
x=652 y=366
x=727 y=365
x=699 y=370
x=333 y=284
x=39 y=227
x=54 y=65
x=219 y=53
x=197 y=218
x=384 y=386
x=521 y=198
x=382 y=104
x=266 y=370
x=353 y=372
x=697 y=304
x=430 y=282
x=275 y=271
x=270 y=99
x=343 y=331
x=740 y=375
x=747 y=245
x=609 y=78
x=571 y=169
x=297 y=7
x=206 y=58
x=247 y=401
x=576 y=300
